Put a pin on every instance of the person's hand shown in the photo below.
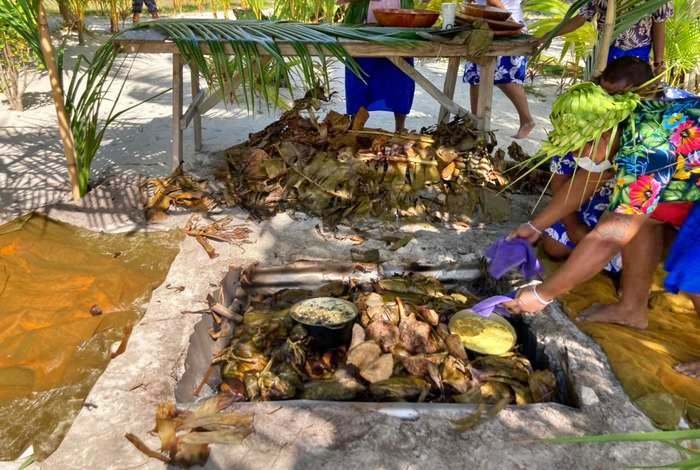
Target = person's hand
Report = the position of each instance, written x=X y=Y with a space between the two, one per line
x=525 y=302
x=659 y=68
x=538 y=42
x=526 y=231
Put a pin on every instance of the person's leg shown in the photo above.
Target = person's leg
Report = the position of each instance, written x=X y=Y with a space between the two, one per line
x=516 y=94
x=136 y=9
x=400 y=122
x=152 y=8
x=555 y=249
x=639 y=259
x=691 y=369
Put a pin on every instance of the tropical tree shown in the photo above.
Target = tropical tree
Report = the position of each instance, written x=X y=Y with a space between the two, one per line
x=77 y=9
x=15 y=66
x=80 y=109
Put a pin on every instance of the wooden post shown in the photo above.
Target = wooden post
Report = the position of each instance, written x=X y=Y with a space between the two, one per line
x=449 y=86
x=605 y=39
x=177 y=111
x=197 y=119
x=64 y=129
x=486 y=78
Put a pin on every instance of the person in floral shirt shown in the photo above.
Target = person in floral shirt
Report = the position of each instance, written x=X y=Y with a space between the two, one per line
x=657 y=185
x=658 y=162
x=647 y=35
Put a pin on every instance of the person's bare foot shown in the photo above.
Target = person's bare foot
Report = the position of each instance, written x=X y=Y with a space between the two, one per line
x=136 y=18
x=691 y=369
x=618 y=314
x=525 y=129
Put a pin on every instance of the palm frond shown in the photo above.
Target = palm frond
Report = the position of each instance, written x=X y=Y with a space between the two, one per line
x=682 y=38
x=233 y=51
x=578 y=42
x=21 y=17
x=84 y=101
x=690 y=459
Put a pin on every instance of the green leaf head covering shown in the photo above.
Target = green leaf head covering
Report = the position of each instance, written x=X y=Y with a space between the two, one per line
x=582 y=115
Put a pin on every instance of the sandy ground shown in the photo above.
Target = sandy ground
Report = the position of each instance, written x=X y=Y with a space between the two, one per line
x=32 y=166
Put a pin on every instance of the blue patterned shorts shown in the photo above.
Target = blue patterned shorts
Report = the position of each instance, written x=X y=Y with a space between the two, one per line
x=509 y=69
x=589 y=214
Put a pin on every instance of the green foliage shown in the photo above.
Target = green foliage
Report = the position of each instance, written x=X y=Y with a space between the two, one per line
x=683 y=39
x=247 y=40
x=84 y=100
x=690 y=457
x=305 y=10
x=20 y=17
x=578 y=43
x=15 y=63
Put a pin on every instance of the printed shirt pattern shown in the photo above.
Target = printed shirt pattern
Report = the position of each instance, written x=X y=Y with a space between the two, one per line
x=659 y=157
x=638 y=35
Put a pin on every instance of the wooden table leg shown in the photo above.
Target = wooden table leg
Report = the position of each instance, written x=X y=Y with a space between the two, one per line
x=177 y=156
x=449 y=86
x=197 y=119
x=483 y=108
x=428 y=86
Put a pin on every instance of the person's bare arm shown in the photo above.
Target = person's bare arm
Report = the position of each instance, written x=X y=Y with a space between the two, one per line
x=591 y=255
x=588 y=258
x=569 y=197
x=574 y=23
x=497 y=4
x=658 y=41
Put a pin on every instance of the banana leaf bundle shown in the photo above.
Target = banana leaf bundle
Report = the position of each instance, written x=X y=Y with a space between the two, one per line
x=323 y=167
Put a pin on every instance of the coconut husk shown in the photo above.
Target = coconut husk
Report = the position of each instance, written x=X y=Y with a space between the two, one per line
x=316 y=165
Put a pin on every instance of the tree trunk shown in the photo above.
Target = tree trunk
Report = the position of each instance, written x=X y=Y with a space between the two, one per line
x=66 y=14
x=113 y=16
x=605 y=39
x=57 y=92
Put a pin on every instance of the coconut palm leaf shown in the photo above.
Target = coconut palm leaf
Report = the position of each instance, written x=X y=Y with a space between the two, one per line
x=690 y=457
x=579 y=42
x=84 y=101
x=682 y=39
x=21 y=17
x=248 y=52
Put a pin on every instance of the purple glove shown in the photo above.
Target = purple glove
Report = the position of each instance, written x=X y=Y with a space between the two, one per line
x=506 y=255
x=493 y=304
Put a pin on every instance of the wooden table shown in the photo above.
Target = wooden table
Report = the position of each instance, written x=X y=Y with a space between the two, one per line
x=149 y=41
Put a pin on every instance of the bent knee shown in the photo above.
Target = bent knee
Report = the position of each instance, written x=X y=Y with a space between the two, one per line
x=554 y=249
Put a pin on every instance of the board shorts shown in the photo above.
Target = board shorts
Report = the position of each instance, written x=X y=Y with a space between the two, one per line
x=509 y=69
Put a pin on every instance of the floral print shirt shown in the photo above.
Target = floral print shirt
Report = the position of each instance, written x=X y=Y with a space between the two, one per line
x=659 y=157
x=638 y=35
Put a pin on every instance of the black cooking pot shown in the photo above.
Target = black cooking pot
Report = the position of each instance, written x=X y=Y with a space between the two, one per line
x=326 y=331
